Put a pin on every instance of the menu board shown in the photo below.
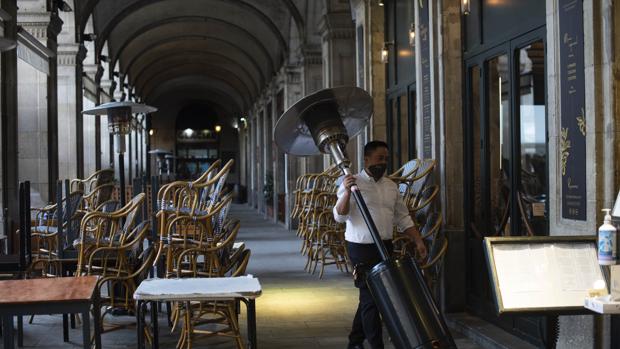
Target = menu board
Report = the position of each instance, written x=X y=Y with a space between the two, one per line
x=542 y=274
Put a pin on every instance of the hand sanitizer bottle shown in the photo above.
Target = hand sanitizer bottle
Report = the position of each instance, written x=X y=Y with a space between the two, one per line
x=607 y=254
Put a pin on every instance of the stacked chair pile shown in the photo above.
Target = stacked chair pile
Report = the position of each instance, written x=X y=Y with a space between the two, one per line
x=87 y=233
x=322 y=237
x=415 y=183
x=197 y=239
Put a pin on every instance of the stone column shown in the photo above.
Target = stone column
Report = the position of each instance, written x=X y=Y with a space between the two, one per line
x=338 y=49
x=70 y=119
x=8 y=123
x=252 y=148
x=90 y=98
x=293 y=90
x=45 y=27
x=449 y=145
x=601 y=79
x=312 y=72
x=374 y=25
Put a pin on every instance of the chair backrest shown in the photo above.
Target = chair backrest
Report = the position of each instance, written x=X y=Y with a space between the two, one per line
x=109 y=206
x=71 y=218
x=239 y=268
x=134 y=208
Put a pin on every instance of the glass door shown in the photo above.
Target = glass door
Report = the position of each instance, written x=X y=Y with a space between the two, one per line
x=506 y=163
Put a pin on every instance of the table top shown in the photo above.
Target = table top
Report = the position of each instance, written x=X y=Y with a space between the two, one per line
x=47 y=290
x=190 y=289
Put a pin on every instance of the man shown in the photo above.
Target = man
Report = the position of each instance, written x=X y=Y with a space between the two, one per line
x=387 y=209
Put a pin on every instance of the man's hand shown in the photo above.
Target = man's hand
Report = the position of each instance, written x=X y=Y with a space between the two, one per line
x=349 y=180
x=413 y=233
x=420 y=248
x=342 y=205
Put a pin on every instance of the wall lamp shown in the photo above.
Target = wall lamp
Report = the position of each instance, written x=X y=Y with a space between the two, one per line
x=465 y=7
x=385 y=52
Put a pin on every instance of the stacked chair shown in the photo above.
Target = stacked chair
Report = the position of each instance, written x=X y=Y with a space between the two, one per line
x=97 y=188
x=196 y=240
x=414 y=180
x=322 y=237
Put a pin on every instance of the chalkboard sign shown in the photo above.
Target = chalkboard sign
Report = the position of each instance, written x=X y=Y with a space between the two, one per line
x=542 y=274
x=572 y=110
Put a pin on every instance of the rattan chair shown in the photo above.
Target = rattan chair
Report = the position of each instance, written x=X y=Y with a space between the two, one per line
x=111 y=229
x=120 y=268
x=215 y=318
x=47 y=241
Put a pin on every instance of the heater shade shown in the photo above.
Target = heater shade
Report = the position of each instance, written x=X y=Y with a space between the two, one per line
x=104 y=109
x=351 y=105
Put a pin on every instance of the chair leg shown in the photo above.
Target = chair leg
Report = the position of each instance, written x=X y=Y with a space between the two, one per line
x=20 y=331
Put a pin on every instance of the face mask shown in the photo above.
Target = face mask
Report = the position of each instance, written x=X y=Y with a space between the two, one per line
x=377 y=171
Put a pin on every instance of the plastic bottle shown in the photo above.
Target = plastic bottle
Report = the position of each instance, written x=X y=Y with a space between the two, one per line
x=607 y=254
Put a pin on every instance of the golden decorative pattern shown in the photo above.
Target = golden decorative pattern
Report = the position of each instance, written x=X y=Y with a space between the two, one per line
x=581 y=122
x=564 y=147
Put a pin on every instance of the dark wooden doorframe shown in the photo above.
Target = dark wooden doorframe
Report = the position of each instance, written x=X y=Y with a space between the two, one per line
x=478 y=303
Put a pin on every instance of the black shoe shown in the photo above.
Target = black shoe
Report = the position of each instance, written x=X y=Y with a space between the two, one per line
x=355 y=346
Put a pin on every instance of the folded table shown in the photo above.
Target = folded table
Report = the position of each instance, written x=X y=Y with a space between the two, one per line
x=243 y=288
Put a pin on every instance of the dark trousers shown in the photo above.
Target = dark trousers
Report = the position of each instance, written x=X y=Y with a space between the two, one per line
x=367 y=322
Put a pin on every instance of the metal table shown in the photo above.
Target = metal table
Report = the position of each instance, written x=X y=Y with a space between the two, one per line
x=245 y=289
x=66 y=295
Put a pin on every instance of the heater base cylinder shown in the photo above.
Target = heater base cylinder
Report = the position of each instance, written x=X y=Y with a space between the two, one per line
x=406 y=306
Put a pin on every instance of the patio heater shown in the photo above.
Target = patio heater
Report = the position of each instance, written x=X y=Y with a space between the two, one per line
x=119 y=124
x=322 y=123
x=160 y=153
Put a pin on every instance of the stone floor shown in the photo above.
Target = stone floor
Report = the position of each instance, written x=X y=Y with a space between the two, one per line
x=296 y=310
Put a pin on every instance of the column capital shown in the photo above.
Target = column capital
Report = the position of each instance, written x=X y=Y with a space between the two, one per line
x=70 y=54
x=42 y=25
x=311 y=54
x=336 y=25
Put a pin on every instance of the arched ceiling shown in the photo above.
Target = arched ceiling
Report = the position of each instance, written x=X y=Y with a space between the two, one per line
x=222 y=52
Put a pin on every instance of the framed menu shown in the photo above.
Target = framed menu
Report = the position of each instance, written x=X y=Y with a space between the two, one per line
x=542 y=274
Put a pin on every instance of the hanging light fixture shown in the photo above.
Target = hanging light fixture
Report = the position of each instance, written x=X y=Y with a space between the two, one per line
x=385 y=52
x=465 y=7
x=412 y=35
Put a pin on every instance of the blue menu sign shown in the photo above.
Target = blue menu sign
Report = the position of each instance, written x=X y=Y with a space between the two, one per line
x=572 y=150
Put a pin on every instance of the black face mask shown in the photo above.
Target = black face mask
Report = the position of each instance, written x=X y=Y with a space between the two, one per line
x=377 y=171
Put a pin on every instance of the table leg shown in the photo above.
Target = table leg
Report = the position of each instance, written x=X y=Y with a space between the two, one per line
x=155 y=325
x=97 y=323
x=251 y=305
x=7 y=331
x=139 y=324
x=20 y=331
x=65 y=327
x=86 y=328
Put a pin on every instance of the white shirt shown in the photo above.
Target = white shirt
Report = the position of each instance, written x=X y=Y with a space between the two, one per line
x=386 y=208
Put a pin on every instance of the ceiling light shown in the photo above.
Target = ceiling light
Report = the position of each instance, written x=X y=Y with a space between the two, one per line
x=218 y=128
